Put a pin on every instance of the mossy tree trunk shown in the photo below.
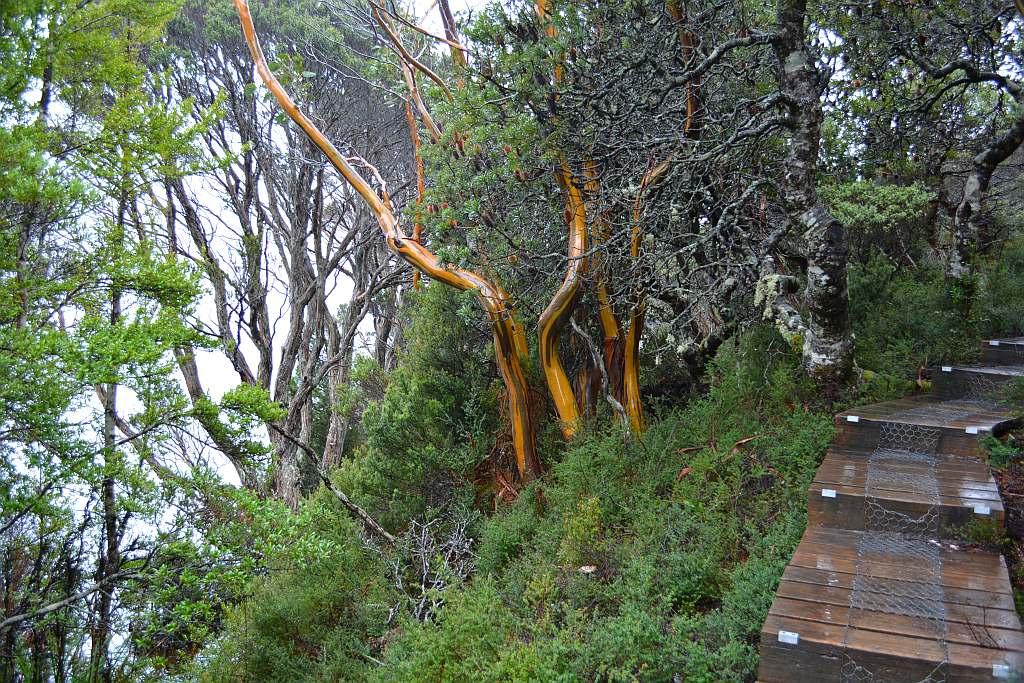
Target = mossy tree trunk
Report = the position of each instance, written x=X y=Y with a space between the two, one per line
x=828 y=343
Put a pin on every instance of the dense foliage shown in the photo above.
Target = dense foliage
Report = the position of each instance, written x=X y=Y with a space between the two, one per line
x=240 y=441
x=632 y=558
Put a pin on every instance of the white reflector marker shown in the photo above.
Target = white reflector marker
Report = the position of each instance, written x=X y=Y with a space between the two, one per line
x=853 y=418
x=980 y=509
x=1000 y=671
x=828 y=493
x=994 y=342
x=789 y=637
x=947 y=368
x=971 y=430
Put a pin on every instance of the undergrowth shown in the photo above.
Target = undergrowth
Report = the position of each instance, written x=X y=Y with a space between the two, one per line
x=906 y=321
x=640 y=560
x=629 y=560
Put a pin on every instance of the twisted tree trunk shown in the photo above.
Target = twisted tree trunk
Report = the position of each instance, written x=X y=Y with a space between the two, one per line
x=559 y=310
x=508 y=336
x=971 y=217
x=828 y=344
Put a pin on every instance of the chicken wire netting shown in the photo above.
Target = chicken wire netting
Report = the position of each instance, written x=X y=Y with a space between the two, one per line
x=898 y=568
x=941 y=413
x=1016 y=350
x=914 y=440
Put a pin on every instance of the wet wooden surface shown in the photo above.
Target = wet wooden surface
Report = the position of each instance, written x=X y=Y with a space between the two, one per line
x=963 y=485
x=964 y=594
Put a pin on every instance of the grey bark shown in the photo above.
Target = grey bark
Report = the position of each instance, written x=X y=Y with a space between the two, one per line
x=109 y=561
x=970 y=219
x=828 y=344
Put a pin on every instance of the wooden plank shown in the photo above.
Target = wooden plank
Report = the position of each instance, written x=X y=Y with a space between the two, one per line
x=950 y=418
x=1002 y=355
x=901 y=572
x=987 y=602
x=865 y=435
x=814 y=658
x=856 y=474
x=945 y=465
x=823 y=647
x=885 y=491
x=841 y=543
x=955 y=631
x=972 y=575
x=969 y=663
x=847 y=508
x=974 y=626
x=963 y=381
x=997 y=371
x=955 y=612
x=928 y=411
x=852 y=471
x=1008 y=352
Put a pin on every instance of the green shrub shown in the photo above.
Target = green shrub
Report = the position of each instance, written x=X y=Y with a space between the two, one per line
x=882 y=218
x=1001 y=453
x=904 y=320
x=637 y=561
x=314 y=615
x=474 y=638
x=1000 y=305
x=436 y=421
x=988 y=534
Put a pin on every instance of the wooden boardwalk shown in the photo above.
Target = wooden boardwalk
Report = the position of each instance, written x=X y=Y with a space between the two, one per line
x=880 y=589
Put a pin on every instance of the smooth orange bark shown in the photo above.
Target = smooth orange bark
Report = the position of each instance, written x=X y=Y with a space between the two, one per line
x=560 y=309
x=686 y=41
x=556 y=316
x=492 y=297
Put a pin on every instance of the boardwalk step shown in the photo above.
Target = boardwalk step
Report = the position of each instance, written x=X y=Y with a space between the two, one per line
x=852 y=488
x=874 y=651
x=922 y=423
x=1003 y=351
x=951 y=382
x=963 y=621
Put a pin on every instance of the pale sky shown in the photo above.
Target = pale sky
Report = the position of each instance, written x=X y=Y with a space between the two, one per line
x=432 y=19
x=217 y=374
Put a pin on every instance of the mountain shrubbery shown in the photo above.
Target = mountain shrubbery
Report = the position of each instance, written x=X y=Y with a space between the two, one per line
x=628 y=559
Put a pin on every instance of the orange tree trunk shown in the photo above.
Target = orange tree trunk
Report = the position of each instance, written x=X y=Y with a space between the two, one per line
x=494 y=300
x=556 y=316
